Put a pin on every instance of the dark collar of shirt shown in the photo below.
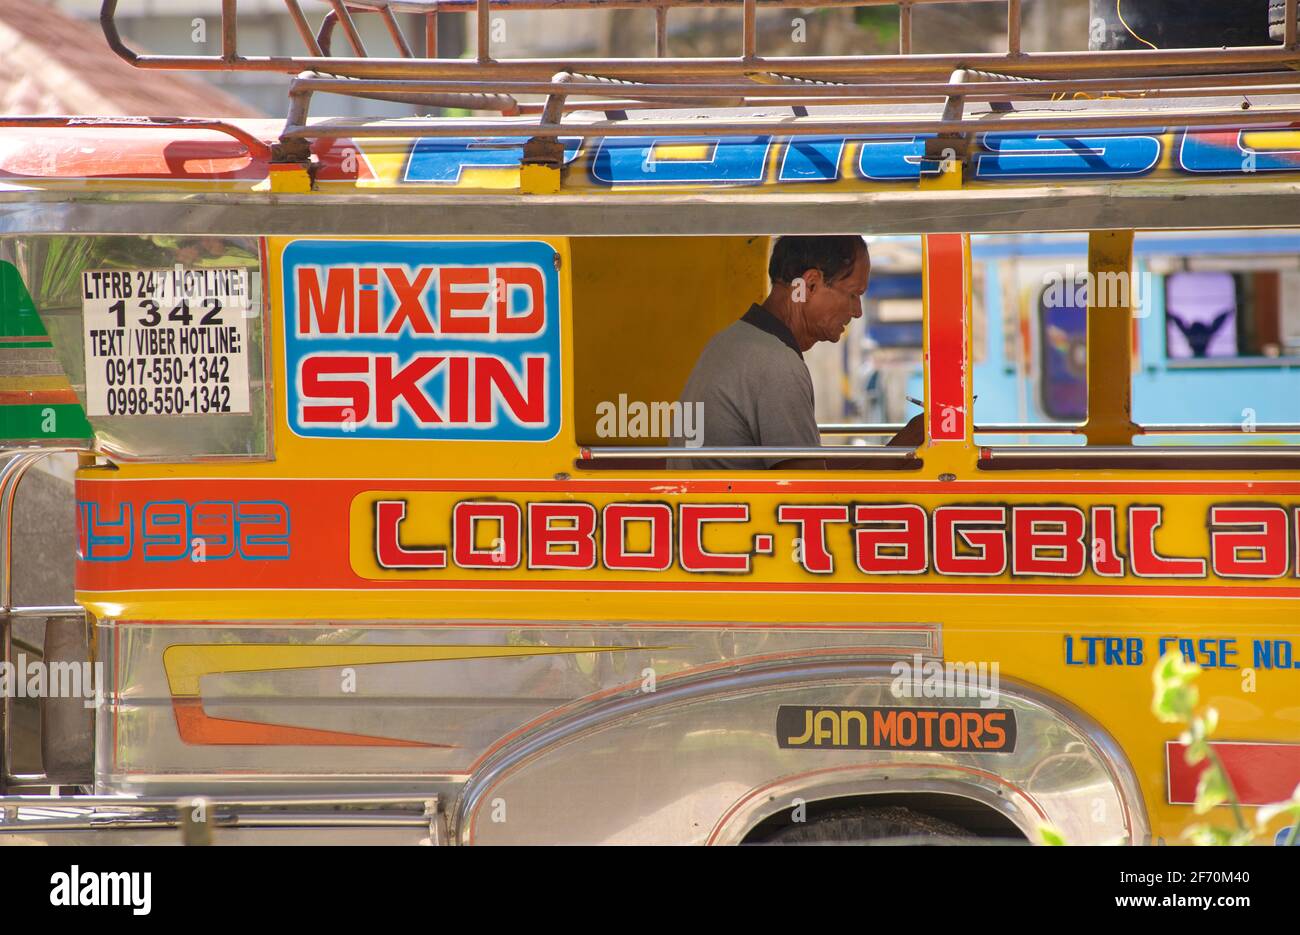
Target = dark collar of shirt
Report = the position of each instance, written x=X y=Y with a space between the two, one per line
x=764 y=320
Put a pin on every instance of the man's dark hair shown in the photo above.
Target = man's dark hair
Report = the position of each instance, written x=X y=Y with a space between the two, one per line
x=794 y=256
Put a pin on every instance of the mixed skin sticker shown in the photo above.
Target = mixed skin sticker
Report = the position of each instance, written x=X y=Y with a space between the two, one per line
x=422 y=339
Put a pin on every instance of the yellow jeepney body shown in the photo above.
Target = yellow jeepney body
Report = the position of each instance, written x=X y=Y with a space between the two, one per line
x=448 y=579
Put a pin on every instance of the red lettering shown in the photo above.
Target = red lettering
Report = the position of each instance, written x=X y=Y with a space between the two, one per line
x=494 y=379
x=1104 y=551
x=694 y=557
x=404 y=384
x=356 y=392
x=567 y=546
x=452 y=303
x=410 y=308
x=813 y=553
x=368 y=300
x=988 y=540
x=533 y=319
x=615 y=552
x=892 y=540
x=1048 y=540
x=389 y=551
x=337 y=306
x=1259 y=550
x=503 y=552
x=1147 y=563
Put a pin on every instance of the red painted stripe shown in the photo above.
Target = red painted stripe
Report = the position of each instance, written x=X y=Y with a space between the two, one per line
x=1262 y=773
x=945 y=366
x=195 y=726
x=677 y=485
x=37 y=397
x=320 y=557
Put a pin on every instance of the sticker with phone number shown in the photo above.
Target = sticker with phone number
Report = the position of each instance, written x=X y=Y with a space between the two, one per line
x=163 y=342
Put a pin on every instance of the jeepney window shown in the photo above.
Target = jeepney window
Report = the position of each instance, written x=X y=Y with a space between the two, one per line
x=1029 y=334
x=629 y=378
x=1214 y=337
x=1218 y=332
x=146 y=347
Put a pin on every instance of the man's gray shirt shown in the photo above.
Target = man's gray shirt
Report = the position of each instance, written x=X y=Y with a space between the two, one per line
x=755 y=389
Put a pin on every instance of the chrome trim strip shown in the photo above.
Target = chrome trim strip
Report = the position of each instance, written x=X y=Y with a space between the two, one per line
x=1206 y=205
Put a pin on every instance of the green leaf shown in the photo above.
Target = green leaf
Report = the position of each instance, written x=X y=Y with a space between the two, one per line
x=1208 y=836
x=1050 y=836
x=1175 y=695
x=1211 y=790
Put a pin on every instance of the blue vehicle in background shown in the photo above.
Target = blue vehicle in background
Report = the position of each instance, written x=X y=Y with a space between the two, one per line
x=1216 y=332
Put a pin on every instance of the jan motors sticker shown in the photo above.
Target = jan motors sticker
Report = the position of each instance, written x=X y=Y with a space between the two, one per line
x=835 y=727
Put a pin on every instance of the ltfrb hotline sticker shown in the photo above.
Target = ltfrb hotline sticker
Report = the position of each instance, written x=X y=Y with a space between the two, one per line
x=422 y=339
x=165 y=342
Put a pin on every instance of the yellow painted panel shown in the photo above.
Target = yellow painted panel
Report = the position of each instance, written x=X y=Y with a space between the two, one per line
x=643 y=309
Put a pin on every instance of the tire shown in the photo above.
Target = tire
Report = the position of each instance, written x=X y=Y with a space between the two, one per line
x=864 y=825
x=67 y=724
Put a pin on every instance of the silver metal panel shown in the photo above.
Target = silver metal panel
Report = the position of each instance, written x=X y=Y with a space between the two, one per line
x=1153 y=206
x=454 y=711
x=699 y=763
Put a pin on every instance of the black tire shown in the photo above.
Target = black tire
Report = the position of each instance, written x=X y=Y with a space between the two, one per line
x=864 y=825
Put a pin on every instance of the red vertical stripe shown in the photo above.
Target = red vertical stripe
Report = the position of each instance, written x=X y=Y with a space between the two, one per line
x=945 y=291
x=1262 y=773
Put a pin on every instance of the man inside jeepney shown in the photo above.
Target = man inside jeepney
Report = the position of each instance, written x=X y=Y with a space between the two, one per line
x=751 y=382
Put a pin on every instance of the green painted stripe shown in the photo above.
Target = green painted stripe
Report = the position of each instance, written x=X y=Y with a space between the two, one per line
x=18 y=317
x=43 y=423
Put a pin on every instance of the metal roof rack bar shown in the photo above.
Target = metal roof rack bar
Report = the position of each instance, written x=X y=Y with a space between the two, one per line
x=788 y=126
x=485 y=83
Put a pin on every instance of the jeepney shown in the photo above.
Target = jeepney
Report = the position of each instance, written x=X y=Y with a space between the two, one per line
x=360 y=558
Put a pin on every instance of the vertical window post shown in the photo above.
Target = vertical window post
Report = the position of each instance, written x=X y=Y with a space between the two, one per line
x=946 y=274
x=1110 y=339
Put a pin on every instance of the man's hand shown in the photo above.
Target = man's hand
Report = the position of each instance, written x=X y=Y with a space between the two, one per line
x=911 y=435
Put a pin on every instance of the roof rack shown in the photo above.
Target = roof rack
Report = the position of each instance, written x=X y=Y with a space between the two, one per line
x=1132 y=83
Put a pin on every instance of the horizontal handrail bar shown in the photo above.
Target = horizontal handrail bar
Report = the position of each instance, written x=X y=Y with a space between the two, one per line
x=52 y=610
x=1067 y=428
x=1143 y=451
x=1184 y=428
x=36 y=825
x=845 y=451
x=217 y=801
x=864 y=428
